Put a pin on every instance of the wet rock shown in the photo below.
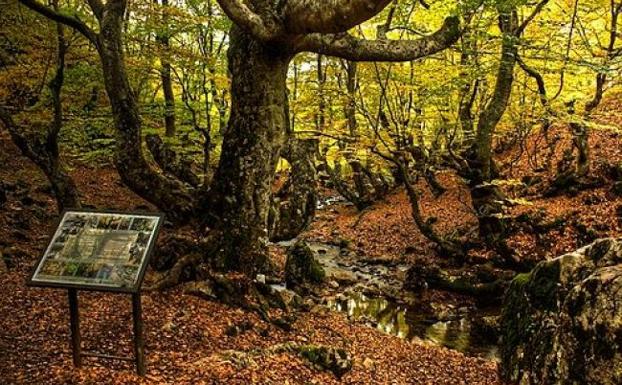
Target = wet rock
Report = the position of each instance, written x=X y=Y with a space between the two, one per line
x=343 y=277
x=301 y=267
x=287 y=299
x=486 y=328
x=335 y=360
x=562 y=324
x=444 y=312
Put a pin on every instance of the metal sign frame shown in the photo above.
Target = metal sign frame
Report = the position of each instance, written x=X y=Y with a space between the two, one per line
x=72 y=294
x=123 y=289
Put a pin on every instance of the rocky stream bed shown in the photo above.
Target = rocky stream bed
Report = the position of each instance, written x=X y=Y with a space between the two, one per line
x=371 y=292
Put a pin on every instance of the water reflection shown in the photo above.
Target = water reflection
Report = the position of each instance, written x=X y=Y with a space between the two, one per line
x=408 y=323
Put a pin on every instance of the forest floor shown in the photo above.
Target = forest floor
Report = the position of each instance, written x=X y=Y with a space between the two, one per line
x=187 y=339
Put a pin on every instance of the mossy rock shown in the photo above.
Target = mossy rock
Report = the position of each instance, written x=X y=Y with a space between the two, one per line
x=335 y=360
x=301 y=267
x=561 y=323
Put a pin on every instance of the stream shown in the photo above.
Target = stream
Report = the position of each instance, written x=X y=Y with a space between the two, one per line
x=370 y=293
x=410 y=324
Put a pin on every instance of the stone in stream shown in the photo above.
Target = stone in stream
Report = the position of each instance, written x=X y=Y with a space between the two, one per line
x=562 y=323
x=301 y=267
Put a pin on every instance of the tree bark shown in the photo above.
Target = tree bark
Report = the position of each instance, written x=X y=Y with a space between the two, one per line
x=294 y=205
x=168 y=194
x=241 y=189
x=486 y=197
x=165 y=75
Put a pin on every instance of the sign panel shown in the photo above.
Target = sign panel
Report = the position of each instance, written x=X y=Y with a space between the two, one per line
x=99 y=251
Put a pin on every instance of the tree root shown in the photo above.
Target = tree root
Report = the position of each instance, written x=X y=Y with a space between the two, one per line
x=488 y=287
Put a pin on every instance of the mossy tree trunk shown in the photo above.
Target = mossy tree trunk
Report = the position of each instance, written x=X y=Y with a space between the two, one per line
x=480 y=172
x=241 y=188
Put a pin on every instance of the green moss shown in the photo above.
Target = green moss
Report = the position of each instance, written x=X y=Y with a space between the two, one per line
x=301 y=265
x=521 y=279
x=335 y=360
x=544 y=285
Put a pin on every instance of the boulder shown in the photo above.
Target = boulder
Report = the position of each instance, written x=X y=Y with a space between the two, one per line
x=301 y=267
x=562 y=323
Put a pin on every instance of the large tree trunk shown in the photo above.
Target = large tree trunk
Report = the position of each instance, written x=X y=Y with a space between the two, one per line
x=241 y=188
x=168 y=194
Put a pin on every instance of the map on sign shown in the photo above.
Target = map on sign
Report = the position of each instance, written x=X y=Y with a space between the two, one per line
x=98 y=250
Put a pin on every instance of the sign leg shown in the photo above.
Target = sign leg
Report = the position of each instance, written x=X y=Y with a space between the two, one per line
x=74 y=318
x=139 y=344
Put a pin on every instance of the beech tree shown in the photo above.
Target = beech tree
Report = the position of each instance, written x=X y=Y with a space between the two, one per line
x=264 y=38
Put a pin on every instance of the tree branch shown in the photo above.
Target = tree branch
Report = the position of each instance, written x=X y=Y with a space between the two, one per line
x=532 y=16
x=248 y=20
x=70 y=21
x=328 y=16
x=98 y=8
x=349 y=47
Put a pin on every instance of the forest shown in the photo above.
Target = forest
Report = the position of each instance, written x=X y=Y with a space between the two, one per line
x=321 y=192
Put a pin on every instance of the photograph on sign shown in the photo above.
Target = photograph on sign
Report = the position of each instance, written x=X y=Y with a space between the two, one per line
x=102 y=250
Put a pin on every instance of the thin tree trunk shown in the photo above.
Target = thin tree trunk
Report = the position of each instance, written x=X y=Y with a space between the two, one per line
x=485 y=196
x=165 y=74
x=44 y=152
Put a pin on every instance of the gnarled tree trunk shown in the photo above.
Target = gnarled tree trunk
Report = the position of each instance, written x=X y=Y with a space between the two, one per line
x=241 y=189
x=166 y=193
x=485 y=196
x=43 y=151
x=294 y=205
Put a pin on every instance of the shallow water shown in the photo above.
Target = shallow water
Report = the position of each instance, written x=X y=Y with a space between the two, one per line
x=388 y=316
x=410 y=324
